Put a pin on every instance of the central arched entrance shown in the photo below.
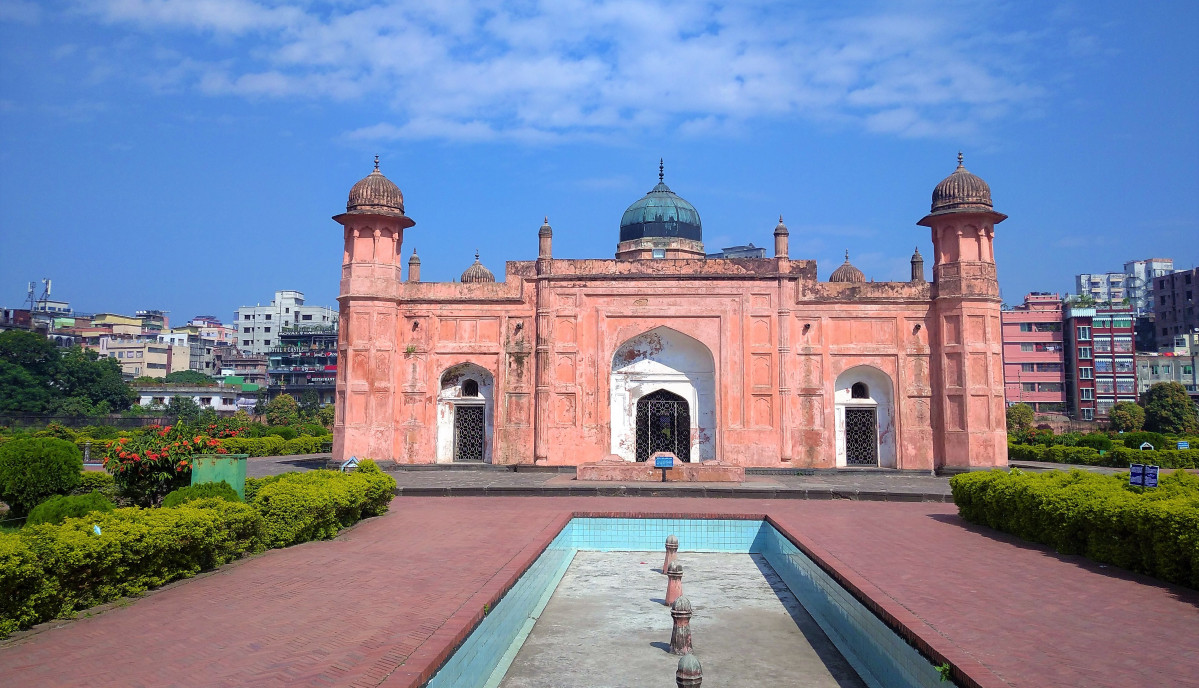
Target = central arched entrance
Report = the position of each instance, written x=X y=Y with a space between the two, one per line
x=465 y=414
x=663 y=367
x=663 y=424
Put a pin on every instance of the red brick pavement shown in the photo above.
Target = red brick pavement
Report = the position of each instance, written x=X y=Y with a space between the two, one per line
x=385 y=602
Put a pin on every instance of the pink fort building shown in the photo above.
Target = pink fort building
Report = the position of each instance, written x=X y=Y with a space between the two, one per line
x=748 y=361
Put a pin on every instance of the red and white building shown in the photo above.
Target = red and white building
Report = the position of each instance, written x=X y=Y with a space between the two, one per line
x=1101 y=367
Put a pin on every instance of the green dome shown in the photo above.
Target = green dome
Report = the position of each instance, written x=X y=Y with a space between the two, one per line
x=661 y=213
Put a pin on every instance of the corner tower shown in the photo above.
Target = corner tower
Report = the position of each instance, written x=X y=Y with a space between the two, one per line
x=969 y=420
x=374 y=224
x=660 y=225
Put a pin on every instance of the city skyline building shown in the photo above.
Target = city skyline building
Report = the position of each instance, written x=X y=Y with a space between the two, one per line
x=1033 y=354
x=258 y=328
x=1100 y=360
x=1175 y=311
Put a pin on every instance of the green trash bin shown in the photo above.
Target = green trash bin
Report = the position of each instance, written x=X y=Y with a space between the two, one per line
x=213 y=468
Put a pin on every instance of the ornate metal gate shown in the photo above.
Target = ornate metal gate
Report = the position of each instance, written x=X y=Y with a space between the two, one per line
x=861 y=437
x=663 y=424
x=469 y=429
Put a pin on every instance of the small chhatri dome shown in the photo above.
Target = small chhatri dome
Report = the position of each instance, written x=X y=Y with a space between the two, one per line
x=546 y=230
x=780 y=229
x=415 y=259
x=477 y=273
x=661 y=213
x=375 y=195
x=961 y=192
x=847 y=272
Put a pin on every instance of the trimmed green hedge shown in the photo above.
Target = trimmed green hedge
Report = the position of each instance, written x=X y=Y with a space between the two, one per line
x=273 y=445
x=314 y=505
x=191 y=493
x=48 y=571
x=1152 y=531
x=60 y=507
x=1116 y=457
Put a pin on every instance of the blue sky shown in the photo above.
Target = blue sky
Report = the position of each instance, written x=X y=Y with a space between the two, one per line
x=187 y=154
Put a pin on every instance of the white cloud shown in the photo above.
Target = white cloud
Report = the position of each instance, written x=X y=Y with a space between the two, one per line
x=547 y=70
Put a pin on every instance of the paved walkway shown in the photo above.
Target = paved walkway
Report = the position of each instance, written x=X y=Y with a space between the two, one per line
x=384 y=603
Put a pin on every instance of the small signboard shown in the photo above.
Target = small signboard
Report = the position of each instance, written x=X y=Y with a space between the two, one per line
x=350 y=464
x=1145 y=446
x=663 y=462
x=1142 y=475
x=1183 y=444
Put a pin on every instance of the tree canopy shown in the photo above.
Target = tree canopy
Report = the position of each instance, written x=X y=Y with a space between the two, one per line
x=37 y=377
x=1019 y=417
x=1169 y=410
x=1126 y=416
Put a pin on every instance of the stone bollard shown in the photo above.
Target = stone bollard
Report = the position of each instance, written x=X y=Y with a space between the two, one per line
x=672 y=550
x=689 y=674
x=680 y=637
x=674 y=586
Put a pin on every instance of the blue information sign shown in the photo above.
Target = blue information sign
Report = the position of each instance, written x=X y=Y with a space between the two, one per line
x=1183 y=444
x=1142 y=475
x=1136 y=474
x=663 y=462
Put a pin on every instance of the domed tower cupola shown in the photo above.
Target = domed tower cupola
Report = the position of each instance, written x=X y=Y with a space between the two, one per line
x=660 y=225
x=961 y=192
x=962 y=220
x=476 y=273
x=847 y=272
x=375 y=194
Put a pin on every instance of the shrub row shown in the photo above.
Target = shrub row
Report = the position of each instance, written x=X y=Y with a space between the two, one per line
x=274 y=445
x=316 y=504
x=48 y=571
x=1117 y=457
x=1152 y=531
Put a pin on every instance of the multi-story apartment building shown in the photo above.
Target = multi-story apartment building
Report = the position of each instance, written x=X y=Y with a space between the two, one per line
x=1179 y=363
x=1100 y=360
x=211 y=328
x=305 y=360
x=1033 y=356
x=1138 y=281
x=259 y=327
x=1174 y=307
x=1135 y=284
x=1104 y=287
x=144 y=358
x=229 y=361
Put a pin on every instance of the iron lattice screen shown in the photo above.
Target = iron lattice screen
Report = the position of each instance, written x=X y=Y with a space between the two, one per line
x=468 y=433
x=663 y=424
x=861 y=437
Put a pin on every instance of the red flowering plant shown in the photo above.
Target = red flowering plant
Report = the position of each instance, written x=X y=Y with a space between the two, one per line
x=148 y=467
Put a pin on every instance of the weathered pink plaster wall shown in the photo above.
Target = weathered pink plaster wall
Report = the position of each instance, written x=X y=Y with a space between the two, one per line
x=778 y=338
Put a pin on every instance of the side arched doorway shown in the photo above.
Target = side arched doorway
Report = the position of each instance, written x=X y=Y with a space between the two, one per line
x=865 y=421
x=650 y=366
x=663 y=424
x=465 y=414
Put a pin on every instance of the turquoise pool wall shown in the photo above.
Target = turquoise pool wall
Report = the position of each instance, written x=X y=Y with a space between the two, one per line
x=509 y=622
x=880 y=656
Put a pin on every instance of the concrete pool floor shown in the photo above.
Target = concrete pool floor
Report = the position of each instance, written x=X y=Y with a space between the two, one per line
x=606 y=625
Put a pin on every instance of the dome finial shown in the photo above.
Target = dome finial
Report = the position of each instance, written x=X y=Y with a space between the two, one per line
x=960 y=158
x=376 y=163
x=661 y=169
x=846 y=255
x=476 y=255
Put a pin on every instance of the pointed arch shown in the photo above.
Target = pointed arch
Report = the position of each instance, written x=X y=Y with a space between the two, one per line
x=864 y=401
x=663 y=359
x=465 y=413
